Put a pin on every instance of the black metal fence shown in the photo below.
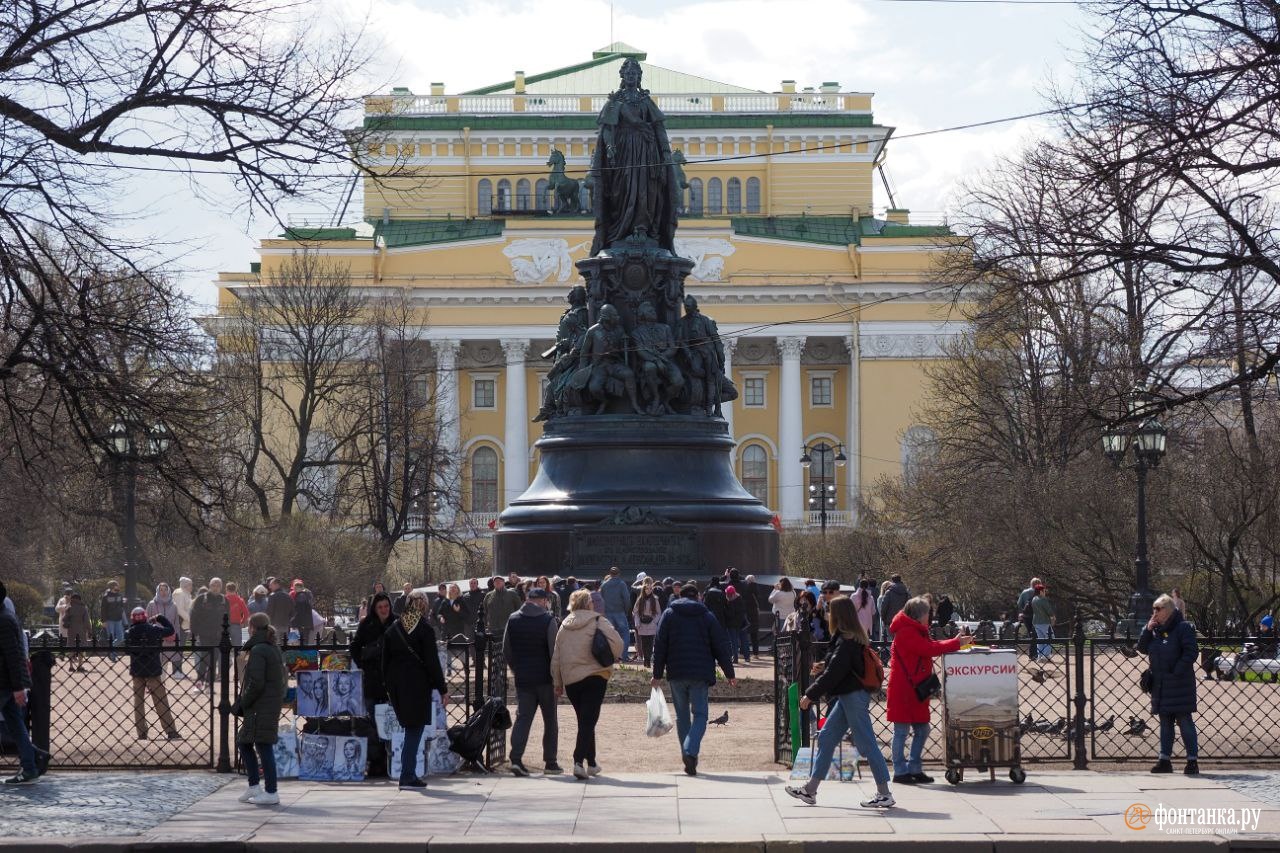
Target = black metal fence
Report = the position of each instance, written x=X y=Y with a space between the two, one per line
x=1083 y=703
x=83 y=704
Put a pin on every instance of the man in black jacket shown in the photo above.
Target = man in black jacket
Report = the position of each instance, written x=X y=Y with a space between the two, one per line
x=145 y=637
x=207 y=611
x=716 y=601
x=527 y=644
x=15 y=681
x=111 y=609
x=279 y=610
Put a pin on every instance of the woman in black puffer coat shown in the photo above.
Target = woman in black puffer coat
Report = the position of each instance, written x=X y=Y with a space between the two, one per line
x=366 y=648
x=1169 y=642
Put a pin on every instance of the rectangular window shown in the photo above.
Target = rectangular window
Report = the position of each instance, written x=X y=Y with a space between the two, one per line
x=484 y=394
x=820 y=391
x=753 y=391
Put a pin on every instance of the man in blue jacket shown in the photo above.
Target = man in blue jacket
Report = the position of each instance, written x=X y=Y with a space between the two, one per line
x=617 y=608
x=690 y=642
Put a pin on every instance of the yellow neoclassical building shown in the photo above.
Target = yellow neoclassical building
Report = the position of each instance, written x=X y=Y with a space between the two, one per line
x=830 y=314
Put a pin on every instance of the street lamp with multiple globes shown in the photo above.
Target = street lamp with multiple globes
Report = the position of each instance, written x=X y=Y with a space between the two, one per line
x=822 y=488
x=128 y=445
x=1148 y=443
x=426 y=507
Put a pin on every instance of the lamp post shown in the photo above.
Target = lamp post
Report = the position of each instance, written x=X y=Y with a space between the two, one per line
x=1148 y=444
x=427 y=505
x=822 y=493
x=128 y=445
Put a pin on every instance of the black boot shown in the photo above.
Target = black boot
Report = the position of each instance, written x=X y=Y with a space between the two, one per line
x=1192 y=768
x=1163 y=766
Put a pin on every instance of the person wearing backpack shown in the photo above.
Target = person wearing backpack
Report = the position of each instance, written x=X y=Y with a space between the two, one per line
x=303 y=619
x=850 y=673
x=587 y=646
x=689 y=643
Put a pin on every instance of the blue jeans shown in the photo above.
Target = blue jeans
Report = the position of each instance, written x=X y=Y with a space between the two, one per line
x=735 y=641
x=902 y=765
x=409 y=757
x=744 y=643
x=250 y=759
x=851 y=712
x=623 y=627
x=1043 y=650
x=1187 y=725
x=15 y=722
x=689 y=696
x=115 y=635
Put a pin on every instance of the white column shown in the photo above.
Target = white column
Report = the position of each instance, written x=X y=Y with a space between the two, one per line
x=853 y=427
x=730 y=344
x=516 y=410
x=447 y=395
x=790 y=432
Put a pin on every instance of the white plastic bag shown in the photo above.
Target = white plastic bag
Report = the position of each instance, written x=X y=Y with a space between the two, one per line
x=659 y=722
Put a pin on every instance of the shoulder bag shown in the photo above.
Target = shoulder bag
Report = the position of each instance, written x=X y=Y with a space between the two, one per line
x=600 y=648
x=925 y=689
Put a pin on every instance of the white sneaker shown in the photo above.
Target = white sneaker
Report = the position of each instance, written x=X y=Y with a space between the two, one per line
x=265 y=799
x=593 y=769
x=253 y=791
x=880 y=801
x=579 y=771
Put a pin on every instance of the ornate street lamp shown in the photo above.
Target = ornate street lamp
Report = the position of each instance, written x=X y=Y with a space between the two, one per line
x=1148 y=444
x=822 y=492
x=129 y=444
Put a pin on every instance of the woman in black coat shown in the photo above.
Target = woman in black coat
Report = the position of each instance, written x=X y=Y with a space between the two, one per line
x=366 y=648
x=1170 y=645
x=411 y=671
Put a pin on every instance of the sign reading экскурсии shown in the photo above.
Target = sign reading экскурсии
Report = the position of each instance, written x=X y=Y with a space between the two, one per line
x=639 y=550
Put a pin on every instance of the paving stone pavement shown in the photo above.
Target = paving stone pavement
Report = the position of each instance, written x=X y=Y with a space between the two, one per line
x=1263 y=785
x=95 y=804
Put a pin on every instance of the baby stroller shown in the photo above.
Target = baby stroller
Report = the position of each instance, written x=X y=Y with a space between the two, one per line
x=470 y=739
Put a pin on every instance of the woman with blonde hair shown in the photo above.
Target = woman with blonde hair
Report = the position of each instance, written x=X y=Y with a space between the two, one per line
x=575 y=671
x=842 y=678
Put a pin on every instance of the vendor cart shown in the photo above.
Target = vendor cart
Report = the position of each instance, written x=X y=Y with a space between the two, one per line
x=980 y=713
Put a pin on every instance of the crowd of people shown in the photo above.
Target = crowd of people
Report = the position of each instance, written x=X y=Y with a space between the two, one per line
x=564 y=638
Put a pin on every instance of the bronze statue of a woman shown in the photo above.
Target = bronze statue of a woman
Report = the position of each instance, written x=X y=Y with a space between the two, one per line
x=632 y=170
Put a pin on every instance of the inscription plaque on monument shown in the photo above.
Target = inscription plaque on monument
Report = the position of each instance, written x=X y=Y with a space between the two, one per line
x=654 y=551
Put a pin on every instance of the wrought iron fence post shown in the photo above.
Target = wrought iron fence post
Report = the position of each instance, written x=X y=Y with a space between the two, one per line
x=41 y=701
x=224 y=706
x=777 y=707
x=1081 y=758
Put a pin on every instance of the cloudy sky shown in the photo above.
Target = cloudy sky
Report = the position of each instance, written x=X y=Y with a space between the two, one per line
x=930 y=64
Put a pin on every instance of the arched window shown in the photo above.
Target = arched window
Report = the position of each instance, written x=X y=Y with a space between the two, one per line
x=715 y=196
x=484 y=480
x=753 y=195
x=542 y=195
x=755 y=472
x=504 y=194
x=523 y=199
x=695 y=196
x=734 y=191
x=918 y=444
x=484 y=197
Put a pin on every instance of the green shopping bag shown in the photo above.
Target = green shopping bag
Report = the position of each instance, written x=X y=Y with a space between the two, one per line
x=793 y=715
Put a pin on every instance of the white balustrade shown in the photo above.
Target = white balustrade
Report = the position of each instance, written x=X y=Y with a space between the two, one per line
x=695 y=102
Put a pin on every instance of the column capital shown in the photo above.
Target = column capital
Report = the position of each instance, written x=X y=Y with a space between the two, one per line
x=730 y=344
x=446 y=352
x=851 y=344
x=515 y=349
x=791 y=346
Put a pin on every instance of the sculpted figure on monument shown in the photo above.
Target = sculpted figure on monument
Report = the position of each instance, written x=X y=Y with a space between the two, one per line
x=565 y=353
x=655 y=346
x=632 y=172
x=699 y=340
x=602 y=367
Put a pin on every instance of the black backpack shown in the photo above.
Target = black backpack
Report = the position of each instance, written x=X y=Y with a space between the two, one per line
x=600 y=648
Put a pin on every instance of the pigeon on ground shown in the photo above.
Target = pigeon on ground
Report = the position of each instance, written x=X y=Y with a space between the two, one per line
x=1136 y=727
x=1026 y=725
x=1058 y=726
x=1038 y=676
x=1107 y=724
x=722 y=720
x=1128 y=651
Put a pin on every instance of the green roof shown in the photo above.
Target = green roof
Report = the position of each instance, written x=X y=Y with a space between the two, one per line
x=587 y=121
x=599 y=76
x=830 y=230
x=319 y=234
x=420 y=232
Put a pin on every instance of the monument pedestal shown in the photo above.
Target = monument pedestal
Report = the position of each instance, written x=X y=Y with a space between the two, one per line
x=651 y=494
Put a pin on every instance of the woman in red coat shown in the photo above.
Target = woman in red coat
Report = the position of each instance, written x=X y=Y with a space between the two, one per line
x=911 y=662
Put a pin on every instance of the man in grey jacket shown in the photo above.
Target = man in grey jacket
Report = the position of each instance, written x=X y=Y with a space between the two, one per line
x=617 y=606
x=527 y=646
x=894 y=599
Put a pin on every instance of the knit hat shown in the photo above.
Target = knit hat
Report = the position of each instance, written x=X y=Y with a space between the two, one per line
x=730 y=591
x=137 y=615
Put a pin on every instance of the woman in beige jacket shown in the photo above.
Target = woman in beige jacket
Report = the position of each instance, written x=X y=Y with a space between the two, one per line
x=575 y=671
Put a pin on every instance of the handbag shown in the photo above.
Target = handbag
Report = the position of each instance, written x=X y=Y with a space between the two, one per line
x=600 y=648
x=925 y=689
x=1144 y=680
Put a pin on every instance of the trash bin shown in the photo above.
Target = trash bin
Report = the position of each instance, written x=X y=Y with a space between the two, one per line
x=980 y=713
